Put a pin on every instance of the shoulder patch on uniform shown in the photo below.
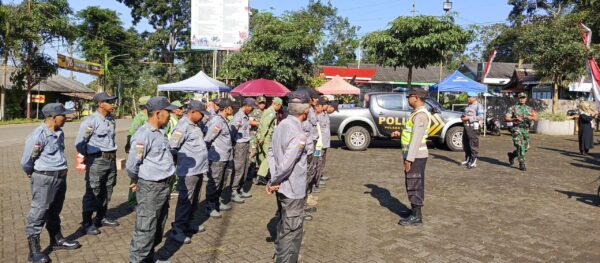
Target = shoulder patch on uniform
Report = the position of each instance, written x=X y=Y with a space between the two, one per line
x=139 y=150
x=176 y=135
x=301 y=141
x=37 y=149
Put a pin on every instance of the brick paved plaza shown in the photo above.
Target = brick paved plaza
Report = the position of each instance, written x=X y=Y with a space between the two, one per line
x=494 y=213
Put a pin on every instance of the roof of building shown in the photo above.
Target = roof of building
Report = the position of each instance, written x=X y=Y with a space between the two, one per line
x=55 y=83
x=400 y=74
x=500 y=70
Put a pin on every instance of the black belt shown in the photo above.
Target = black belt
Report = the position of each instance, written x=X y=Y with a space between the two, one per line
x=60 y=173
x=112 y=155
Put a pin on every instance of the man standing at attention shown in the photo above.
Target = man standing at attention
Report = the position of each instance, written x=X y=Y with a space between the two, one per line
x=415 y=153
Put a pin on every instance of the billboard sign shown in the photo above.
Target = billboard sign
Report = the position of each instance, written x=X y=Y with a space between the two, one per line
x=79 y=65
x=219 y=24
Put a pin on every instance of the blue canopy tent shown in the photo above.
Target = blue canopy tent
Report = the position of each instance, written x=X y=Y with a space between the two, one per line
x=457 y=82
x=199 y=83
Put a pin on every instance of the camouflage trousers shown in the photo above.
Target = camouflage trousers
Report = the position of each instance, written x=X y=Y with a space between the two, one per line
x=520 y=137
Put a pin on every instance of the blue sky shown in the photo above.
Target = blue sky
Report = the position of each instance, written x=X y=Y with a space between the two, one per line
x=369 y=15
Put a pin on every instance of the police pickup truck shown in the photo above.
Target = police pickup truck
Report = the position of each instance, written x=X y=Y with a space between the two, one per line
x=386 y=112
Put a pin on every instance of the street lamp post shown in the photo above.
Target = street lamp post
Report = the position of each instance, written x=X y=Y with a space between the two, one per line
x=447 y=6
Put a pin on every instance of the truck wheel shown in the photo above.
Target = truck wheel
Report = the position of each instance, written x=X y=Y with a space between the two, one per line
x=357 y=138
x=454 y=139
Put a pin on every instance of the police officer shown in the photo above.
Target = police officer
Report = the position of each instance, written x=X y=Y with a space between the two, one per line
x=472 y=119
x=96 y=141
x=331 y=107
x=187 y=144
x=45 y=164
x=313 y=136
x=139 y=120
x=241 y=123
x=325 y=138
x=268 y=122
x=219 y=137
x=287 y=163
x=415 y=153
x=150 y=166
x=522 y=117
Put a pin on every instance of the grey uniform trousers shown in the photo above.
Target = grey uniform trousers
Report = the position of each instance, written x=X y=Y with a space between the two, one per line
x=311 y=170
x=100 y=178
x=187 y=201
x=415 y=182
x=289 y=229
x=151 y=215
x=321 y=166
x=241 y=164
x=470 y=142
x=47 y=203
x=216 y=180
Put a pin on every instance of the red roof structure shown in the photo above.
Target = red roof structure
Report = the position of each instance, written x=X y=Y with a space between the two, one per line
x=358 y=74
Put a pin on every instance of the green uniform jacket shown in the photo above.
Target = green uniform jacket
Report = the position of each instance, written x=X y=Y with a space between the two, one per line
x=138 y=121
x=268 y=121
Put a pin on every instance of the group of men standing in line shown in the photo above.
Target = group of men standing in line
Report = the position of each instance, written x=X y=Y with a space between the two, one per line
x=191 y=143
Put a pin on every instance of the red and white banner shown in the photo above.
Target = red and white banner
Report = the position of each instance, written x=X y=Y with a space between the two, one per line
x=488 y=65
x=592 y=66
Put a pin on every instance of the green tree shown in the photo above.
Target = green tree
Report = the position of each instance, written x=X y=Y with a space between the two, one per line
x=416 y=42
x=280 y=48
x=478 y=50
x=39 y=24
x=170 y=20
x=527 y=11
x=555 y=48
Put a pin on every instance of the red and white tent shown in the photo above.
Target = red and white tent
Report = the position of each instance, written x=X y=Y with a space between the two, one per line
x=338 y=86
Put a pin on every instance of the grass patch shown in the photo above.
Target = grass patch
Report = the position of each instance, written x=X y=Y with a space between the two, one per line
x=18 y=121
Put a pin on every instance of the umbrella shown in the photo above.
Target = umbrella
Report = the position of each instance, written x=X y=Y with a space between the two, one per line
x=260 y=87
x=338 y=86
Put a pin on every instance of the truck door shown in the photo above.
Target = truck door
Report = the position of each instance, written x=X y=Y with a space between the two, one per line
x=389 y=112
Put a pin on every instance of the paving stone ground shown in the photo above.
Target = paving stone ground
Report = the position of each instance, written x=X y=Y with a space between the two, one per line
x=494 y=213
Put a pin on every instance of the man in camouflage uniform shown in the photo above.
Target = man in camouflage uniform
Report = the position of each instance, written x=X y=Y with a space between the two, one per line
x=268 y=121
x=522 y=117
x=261 y=103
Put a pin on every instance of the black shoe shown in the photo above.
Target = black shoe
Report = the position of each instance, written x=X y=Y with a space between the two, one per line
x=414 y=219
x=35 y=251
x=511 y=158
x=59 y=242
x=522 y=166
x=261 y=181
x=90 y=230
x=105 y=222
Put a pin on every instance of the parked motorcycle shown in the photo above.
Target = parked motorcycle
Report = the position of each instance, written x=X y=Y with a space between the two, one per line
x=493 y=125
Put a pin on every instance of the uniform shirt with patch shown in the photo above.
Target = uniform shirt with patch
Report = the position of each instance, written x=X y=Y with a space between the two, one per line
x=96 y=134
x=218 y=136
x=416 y=148
x=241 y=126
x=287 y=158
x=152 y=159
x=475 y=112
x=187 y=142
x=522 y=111
x=44 y=151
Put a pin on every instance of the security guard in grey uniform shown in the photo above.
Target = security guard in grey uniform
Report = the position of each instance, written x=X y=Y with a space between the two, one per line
x=45 y=164
x=218 y=135
x=287 y=164
x=241 y=161
x=96 y=141
x=187 y=144
x=150 y=166
x=472 y=119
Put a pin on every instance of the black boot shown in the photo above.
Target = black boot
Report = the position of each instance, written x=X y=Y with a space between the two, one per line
x=35 y=251
x=261 y=181
x=414 y=219
x=86 y=225
x=511 y=158
x=102 y=220
x=522 y=166
x=57 y=241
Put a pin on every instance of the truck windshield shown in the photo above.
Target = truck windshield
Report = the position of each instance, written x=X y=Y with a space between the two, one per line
x=433 y=103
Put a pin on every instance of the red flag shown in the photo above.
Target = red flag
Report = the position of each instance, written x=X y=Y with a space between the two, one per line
x=488 y=65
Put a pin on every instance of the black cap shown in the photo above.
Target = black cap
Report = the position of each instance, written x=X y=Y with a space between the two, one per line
x=299 y=96
x=54 y=109
x=197 y=106
x=334 y=104
x=249 y=102
x=103 y=96
x=421 y=93
x=321 y=101
x=224 y=103
x=159 y=103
